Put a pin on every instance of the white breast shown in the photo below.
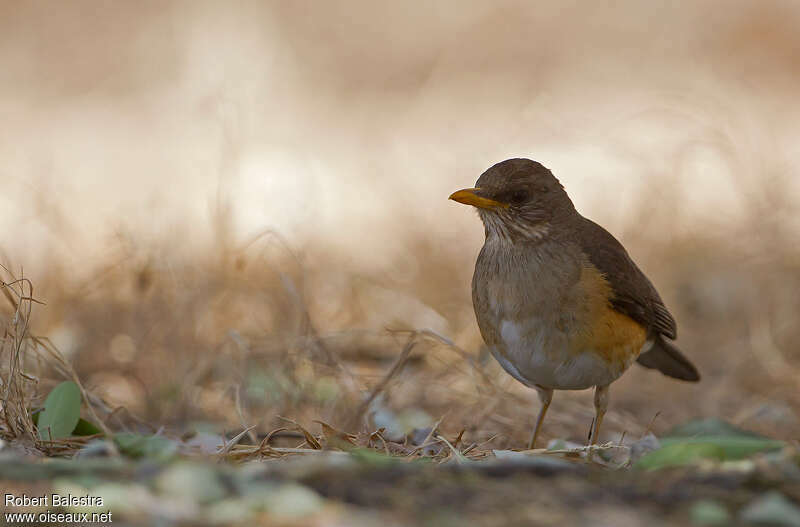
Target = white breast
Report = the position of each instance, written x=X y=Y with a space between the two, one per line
x=538 y=355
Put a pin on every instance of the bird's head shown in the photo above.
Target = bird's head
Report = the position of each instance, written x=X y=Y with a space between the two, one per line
x=518 y=199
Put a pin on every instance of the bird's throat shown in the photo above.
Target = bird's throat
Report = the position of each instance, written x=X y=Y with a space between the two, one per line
x=506 y=228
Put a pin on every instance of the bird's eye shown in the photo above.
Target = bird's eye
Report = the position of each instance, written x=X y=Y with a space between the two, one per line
x=519 y=196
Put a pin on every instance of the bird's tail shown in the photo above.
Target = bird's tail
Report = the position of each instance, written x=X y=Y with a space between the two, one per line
x=666 y=358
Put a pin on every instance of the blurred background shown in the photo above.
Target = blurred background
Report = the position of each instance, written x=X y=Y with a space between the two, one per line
x=233 y=211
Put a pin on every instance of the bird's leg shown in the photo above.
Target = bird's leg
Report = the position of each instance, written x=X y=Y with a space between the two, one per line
x=600 y=405
x=545 y=395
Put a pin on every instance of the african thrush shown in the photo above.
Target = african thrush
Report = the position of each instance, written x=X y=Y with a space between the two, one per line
x=558 y=301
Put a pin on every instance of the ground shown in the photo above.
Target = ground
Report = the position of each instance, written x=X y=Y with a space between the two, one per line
x=243 y=388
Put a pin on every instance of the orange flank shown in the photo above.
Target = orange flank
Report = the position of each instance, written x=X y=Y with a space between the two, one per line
x=614 y=336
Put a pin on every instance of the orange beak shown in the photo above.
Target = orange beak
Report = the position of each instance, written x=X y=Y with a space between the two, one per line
x=469 y=196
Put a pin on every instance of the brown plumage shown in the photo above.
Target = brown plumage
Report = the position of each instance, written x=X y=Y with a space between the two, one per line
x=558 y=301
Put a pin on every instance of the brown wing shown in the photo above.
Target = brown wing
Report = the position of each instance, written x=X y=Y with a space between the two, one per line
x=635 y=296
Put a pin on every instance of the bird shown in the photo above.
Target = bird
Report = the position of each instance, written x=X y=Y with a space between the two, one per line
x=558 y=301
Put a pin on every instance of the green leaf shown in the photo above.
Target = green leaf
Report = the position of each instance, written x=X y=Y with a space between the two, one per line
x=85 y=428
x=732 y=447
x=62 y=410
x=677 y=452
x=709 y=427
x=138 y=446
x=712 y=439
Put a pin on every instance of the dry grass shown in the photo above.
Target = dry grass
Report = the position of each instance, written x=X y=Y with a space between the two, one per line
x=25 y=358
x=15 y=382
x=176 y=325
x=243 y=336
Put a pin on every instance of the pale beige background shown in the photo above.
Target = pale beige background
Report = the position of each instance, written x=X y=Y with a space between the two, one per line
x=350 y=121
